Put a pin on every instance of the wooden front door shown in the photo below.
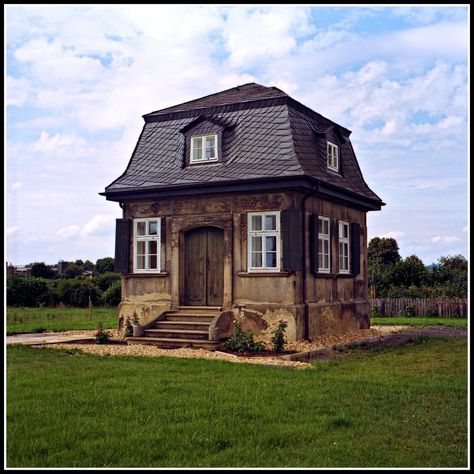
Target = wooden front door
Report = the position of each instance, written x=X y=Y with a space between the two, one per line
x=204 y=267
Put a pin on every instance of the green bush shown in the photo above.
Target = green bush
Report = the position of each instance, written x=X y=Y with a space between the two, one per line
x=374 y=312
x=242 y=341
x=76 y=292
x=105 y=280
x=30 y=291
x=113 y=295
x=278 y=338
x=102 y=336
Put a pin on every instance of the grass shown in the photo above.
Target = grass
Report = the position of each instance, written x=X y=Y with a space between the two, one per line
x=414 y=321
x=21 y=320
x=397 y=407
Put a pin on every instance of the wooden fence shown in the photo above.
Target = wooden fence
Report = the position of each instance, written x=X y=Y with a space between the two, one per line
x=393 y=307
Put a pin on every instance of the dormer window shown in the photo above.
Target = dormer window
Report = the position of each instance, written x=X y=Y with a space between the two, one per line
x=203 y=148
x=333 y=156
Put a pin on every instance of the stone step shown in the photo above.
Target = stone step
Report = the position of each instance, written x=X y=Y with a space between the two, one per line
x=187 y=325
x=177 y=334
x=175 y=316
x=167 y=343
x=213 y=309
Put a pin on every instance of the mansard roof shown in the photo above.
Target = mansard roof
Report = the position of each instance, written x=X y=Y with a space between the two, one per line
x=266 y=136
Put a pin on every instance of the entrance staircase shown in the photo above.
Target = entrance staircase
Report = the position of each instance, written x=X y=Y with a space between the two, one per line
x=188 y=326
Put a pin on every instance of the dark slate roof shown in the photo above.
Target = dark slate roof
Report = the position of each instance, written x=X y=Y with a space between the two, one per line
x=270 y=135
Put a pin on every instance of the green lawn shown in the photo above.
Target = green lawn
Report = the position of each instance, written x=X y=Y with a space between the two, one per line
x=452 y=322
x=397 y=407
x=20 y=320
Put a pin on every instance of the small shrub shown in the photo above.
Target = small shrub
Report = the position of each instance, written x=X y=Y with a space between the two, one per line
x=278 y=338
x=30 y=291
x=431 y=312
x=242 y=341
x=135 y=319
x=128 y=328
x=373 y=312
x=102 y=336
x=113 y=295
x=410 y=311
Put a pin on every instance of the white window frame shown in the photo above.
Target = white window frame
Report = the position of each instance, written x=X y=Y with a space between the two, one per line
x=333 y=156
x=203 y=159
x=327 y=238
x=342 y=242
x=263 y=233
x=147 y=238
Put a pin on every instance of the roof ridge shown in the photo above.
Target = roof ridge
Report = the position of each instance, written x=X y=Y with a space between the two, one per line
x=236 y=88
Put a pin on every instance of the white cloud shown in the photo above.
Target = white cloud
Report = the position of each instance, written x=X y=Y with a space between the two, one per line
x=98 y=225
x=17 y=185
x=445 y=239
x=394 y=234
x=16 y=91
x=68 y=232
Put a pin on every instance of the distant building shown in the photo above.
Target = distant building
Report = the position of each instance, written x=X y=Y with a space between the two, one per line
x=62 y=266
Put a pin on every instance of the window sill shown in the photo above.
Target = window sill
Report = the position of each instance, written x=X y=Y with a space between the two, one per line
x=146 y=275
x=263 y=274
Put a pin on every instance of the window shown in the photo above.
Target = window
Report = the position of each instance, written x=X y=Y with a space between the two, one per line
x=203 y=149
x=146 y=245
x=324 y=245
x=343 y=247
x=333 y=156
x=264 y=241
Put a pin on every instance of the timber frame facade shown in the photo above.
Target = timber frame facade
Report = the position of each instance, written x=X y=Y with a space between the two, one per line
x=263 y=231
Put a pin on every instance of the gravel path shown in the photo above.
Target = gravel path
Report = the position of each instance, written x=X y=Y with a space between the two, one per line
x=388 y=335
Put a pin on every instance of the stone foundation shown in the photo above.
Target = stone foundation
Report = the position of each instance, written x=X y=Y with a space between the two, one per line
x=338 y=318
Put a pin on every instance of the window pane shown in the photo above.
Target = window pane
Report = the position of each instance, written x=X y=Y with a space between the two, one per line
x=152 y=262
x=256 y=244
x=197 y=154
x=141 y=262
x=141 y=228
x=210 y=147
x=270 y=259
x=152 y=246
x=141 y=247
x=346 y=231
x=256 y=259
x=326 y=227
x=270 y=244
x=320 y=246
x=153 y=227
x=256 y=223
x=197 y=143
x=326 y=246
x=326 y=261
x=270 y=222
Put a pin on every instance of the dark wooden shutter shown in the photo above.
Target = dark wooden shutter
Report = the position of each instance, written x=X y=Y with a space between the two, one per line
x=122 y=245
x=355 y=248
x=314 y=244
x=292 y=227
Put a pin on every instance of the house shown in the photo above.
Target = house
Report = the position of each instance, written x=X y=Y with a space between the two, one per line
x=242 y=204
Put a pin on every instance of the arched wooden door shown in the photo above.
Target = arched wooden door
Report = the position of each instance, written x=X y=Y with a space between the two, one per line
x=204 y=267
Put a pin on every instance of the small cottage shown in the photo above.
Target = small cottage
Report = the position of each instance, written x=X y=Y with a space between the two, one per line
x=247 y=205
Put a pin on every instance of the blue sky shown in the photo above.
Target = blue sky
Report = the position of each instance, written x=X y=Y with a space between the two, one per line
x=79 y=78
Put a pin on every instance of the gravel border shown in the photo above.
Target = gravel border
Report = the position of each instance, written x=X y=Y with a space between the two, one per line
x=323 y=343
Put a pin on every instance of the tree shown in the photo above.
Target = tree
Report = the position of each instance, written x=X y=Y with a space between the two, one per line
x=88 y=265
x=383 y=250
x=104 y=265
x=409 y=271
x=73 y=270
x=41 y=270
